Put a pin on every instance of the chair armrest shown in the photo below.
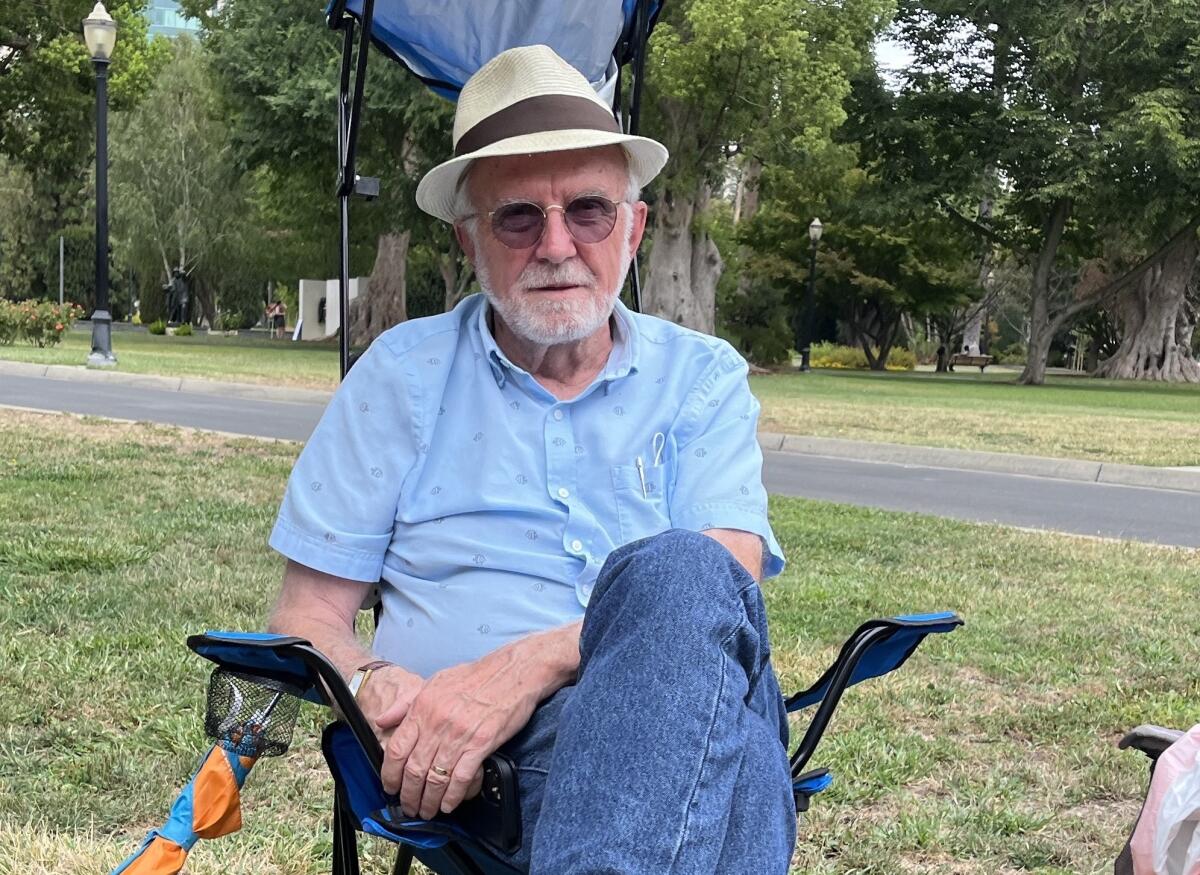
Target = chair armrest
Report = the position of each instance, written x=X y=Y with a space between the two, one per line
x=1150 y=740
x=876 y=648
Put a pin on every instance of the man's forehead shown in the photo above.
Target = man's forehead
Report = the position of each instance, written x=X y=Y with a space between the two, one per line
x=579 y=168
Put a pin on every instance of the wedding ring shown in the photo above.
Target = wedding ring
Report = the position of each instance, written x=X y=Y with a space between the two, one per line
x=438 y=770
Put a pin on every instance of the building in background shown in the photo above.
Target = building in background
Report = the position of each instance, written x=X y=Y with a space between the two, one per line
x=166 y=19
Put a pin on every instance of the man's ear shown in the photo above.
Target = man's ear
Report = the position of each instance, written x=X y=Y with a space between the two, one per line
x=640 y=213
x=465 y=241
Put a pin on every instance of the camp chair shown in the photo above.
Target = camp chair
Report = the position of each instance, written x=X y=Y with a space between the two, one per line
x=1153 y=742
x=254 y=695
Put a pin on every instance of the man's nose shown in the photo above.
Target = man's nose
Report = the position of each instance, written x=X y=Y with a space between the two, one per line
x=557 y=244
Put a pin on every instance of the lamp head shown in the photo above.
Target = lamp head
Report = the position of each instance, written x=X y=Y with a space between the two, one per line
x=814 y=231
x=100 y=33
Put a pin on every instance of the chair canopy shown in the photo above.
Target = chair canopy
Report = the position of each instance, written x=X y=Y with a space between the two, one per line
x=443 y=42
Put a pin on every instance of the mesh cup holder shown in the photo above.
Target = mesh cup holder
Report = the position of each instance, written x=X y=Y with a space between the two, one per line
x=250 y=716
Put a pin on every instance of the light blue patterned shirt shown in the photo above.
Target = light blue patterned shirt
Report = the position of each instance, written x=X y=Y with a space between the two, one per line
x=486 y=506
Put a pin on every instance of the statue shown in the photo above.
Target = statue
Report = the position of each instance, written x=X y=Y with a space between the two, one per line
x=177 y=297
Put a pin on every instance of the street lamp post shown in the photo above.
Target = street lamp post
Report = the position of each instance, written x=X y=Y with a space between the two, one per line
x=810 y=297
x=100 y=34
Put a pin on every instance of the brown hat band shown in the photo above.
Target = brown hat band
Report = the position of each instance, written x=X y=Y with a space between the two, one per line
x=536 y=115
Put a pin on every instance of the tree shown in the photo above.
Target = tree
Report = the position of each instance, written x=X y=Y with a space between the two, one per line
x=1155 y=153
x=17 y=247
x=762 y=79
x=886 y=255
x=1157 y=314
x=177 y=195
x=1045 y=98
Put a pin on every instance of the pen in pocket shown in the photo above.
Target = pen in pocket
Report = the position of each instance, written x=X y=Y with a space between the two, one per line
x=641 y=469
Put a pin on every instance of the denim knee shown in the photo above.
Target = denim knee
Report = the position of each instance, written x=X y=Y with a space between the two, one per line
x=673 y=596
x=675 y=564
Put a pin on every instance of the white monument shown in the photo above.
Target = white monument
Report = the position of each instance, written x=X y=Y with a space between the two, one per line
x=320 y=298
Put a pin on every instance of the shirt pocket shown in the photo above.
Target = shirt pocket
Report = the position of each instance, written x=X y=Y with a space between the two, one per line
x=640 y=515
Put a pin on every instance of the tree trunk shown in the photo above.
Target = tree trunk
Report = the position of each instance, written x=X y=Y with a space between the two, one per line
x=1041 y=327
x=456 y=274
x=383 y=303
x=1157 y=322
x=878 y=353
x=1040 y=338
x=203 y=303
x=684 y=264
x=745 y=211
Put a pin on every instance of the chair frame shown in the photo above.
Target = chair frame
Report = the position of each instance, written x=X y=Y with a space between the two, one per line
x=322 y=683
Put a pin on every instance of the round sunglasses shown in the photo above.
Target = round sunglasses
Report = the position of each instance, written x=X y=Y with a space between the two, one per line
x=589 y=218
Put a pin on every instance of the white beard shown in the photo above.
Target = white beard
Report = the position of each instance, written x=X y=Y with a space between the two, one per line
x=550 y=322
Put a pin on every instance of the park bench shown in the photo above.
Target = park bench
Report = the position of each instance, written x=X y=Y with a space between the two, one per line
x=963 y=358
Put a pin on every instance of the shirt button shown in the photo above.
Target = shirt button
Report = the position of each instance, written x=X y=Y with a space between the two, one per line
x=577 y=545
x=558 y=414
x=563 y=492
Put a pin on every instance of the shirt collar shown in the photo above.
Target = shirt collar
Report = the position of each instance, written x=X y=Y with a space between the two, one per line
x=622 y=359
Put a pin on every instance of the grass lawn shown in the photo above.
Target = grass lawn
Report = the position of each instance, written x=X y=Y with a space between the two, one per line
x=992 y=751
x=1071 y=417
x=279 y=362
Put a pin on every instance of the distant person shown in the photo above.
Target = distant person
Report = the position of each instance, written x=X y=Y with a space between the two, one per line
x=277 y=318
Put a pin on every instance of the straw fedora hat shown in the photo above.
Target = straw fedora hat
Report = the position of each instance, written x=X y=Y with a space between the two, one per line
x=525 y=101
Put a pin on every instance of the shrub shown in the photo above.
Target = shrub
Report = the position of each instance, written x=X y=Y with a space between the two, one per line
x=42 y=323
x=1013 y=354
x=184 y=330
x=157 y=327
x=231 y=320
x=901 y=359
x=10 y=327
x=830 y=355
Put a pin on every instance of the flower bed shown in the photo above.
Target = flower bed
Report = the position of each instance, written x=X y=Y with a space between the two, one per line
x=41 y=323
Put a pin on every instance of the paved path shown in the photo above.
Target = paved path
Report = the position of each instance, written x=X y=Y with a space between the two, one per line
x=1159 y=515
x=261 y=418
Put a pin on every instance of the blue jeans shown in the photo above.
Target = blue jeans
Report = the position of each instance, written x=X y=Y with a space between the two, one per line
x=669 y=754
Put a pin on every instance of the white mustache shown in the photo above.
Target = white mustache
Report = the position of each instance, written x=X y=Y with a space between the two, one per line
x=540 y=274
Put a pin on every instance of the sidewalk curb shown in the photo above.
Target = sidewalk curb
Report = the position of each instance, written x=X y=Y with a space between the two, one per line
x=976 y=460
x=191 y=385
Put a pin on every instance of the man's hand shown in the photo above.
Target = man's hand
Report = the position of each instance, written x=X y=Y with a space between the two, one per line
x=388 y=690
x=463 y=714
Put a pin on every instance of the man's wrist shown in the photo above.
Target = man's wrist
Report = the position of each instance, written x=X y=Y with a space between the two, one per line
x=556 y=656
x=363 y=673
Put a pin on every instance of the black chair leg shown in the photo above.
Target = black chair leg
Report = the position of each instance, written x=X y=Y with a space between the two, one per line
x=404 y=861
x=345 y=842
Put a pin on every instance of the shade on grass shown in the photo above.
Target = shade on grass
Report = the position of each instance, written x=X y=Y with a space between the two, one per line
x=990 y=751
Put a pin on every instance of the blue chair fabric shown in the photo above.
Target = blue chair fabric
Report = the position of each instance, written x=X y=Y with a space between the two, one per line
x=443 y=42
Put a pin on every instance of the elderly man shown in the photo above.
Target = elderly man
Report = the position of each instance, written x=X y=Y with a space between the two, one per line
x=562 y=503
